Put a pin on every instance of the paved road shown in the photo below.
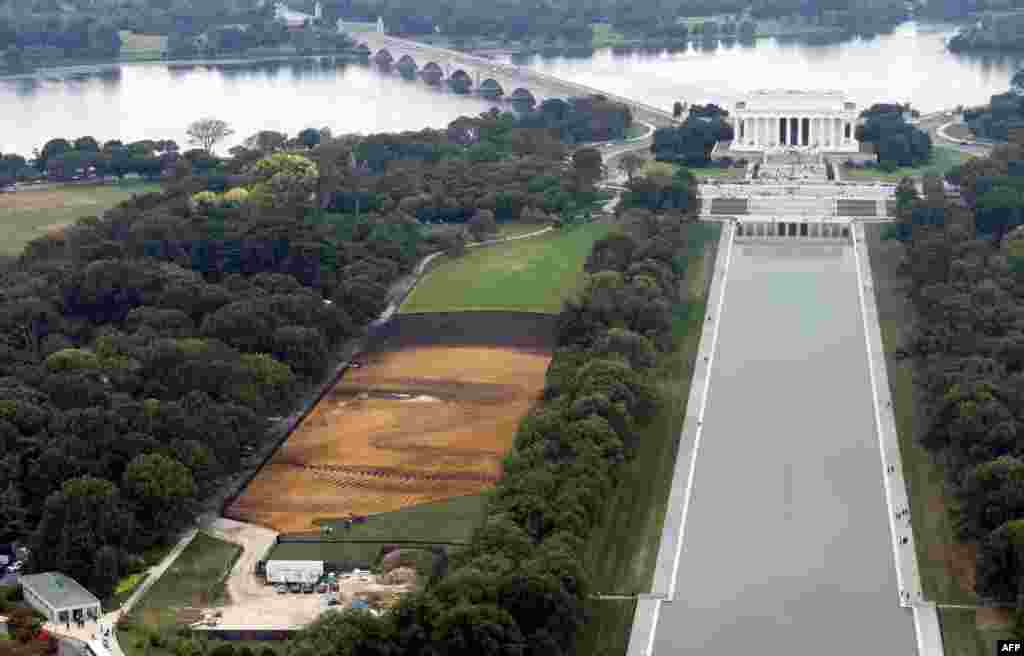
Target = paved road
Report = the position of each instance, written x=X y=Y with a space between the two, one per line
x=787 y=547
x=932 y=124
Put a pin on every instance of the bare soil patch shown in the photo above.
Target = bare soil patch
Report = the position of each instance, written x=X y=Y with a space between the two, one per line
x=412 y=425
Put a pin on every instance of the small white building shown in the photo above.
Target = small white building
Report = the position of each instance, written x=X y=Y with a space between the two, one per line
x=784 y=119
x=294 y=571
x=61 y=598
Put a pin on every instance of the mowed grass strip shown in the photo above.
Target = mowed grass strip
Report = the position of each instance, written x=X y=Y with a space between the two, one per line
x=451 y=520
x=942 y=160
x=194 y=580
x=447 y=522
x=622 y=553
x=528 y=275
x=133 y=42
x=28 y=214
x=946 y=566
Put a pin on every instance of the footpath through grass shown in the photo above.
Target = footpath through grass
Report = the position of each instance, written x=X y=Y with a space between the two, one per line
x=195 y=580
x=942 y=160
x=528 y=275
x=946 y=566
x=28 y=214
x=622 y=553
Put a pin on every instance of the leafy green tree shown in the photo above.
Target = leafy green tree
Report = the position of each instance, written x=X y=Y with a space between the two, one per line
x=81 y=518
x=162 y=492
x=1000 y=566
x=998 y=211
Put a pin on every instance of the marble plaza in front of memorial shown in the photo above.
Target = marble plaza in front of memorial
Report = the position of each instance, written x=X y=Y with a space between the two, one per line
x=788 y=135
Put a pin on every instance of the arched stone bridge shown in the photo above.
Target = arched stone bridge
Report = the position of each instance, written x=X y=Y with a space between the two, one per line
x=469 y=73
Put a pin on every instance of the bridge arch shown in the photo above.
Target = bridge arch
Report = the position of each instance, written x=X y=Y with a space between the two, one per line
x=432 y=73
x=407 y=67
x=460 y=81
x=490 y=88
x=523 y=98
x=383 y=58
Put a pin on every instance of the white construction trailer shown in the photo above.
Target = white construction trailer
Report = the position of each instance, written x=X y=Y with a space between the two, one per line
x=294 y=571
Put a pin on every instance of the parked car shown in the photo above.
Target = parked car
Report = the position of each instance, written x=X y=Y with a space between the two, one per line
x=308 y=588
x=333 y=586
x=333 y=601
x=322 y=588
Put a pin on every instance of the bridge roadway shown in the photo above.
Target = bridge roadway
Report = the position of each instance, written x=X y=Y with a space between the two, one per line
x=509 y=76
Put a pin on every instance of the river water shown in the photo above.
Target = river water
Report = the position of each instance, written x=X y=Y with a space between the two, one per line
x=787 y=546
x=158 y=100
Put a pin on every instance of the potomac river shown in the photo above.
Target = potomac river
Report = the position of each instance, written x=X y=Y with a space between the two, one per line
x=158 y=100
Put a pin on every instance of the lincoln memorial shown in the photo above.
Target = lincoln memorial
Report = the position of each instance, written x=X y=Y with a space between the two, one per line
x=821 y=120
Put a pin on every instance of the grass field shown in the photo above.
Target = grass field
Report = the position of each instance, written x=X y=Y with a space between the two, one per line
x=531 y=275
x=945 y=565
x=605 y=36
x=516 y=228
x=636 y=130
x=943 y=158
x=353 y=28
x=134 y=44
x=451 y=520
x=26 y=215
x=701 y=173
x=194 y=580
x=622 y=552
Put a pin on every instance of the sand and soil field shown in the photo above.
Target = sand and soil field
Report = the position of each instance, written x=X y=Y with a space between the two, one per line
x=418 y=422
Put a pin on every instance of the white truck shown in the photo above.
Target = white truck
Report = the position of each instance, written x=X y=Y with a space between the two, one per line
x=294 y=571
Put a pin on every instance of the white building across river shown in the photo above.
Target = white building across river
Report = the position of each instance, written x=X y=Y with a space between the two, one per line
x=820 y=120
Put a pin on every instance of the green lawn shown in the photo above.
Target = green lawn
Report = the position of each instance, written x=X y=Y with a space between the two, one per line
x=451 y=520
x=516 y=228
x=443 y=522
x=943 y=159
x=945 y=566
x=194 y=580
x=605 y=36
x=353 y=28
x=28 y=214
x=622 y=552
x=133 y=42
x=529 y=275
x=636 y=130
x=701 y=173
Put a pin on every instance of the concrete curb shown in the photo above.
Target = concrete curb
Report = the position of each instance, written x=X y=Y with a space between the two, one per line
x=648 y=608
x=911 y=595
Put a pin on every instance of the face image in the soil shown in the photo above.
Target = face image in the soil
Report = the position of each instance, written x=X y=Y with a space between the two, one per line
x=418 y=424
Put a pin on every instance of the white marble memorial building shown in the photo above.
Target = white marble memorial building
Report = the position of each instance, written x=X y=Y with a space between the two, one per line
x=821 y=120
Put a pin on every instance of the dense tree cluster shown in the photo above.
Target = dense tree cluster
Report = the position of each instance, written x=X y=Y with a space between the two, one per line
x=691 y=142
x=33 y=40
x=519 y=587
x=1004 y=112
x=1000 y=30
x=967 y=343
x=61 y=159
x=897 y=143
x=572 y=21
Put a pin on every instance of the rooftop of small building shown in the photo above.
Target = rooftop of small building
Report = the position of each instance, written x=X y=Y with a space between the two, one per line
x=796 y=99
x=58 y=590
